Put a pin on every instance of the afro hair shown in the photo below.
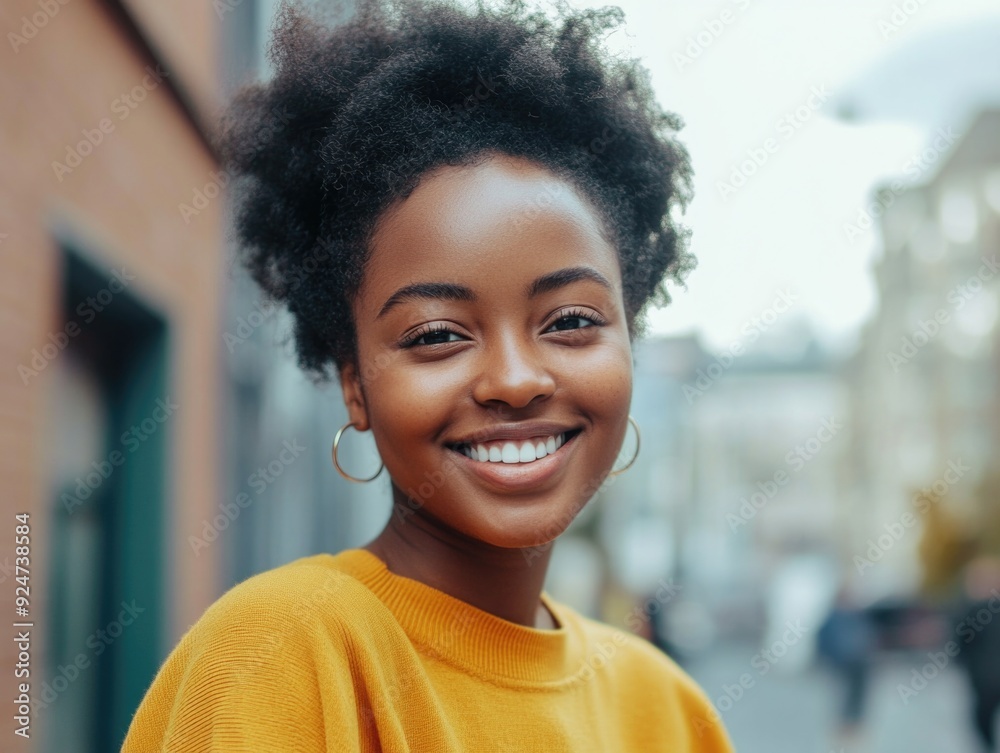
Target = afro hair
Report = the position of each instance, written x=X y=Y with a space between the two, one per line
x=359 y=109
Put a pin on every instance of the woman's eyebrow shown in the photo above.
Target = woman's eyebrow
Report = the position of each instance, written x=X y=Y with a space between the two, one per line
x=449 y=291
x=562 y=277
x=443 y=291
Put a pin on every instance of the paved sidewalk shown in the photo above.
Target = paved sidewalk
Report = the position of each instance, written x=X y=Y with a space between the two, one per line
x=797 y=713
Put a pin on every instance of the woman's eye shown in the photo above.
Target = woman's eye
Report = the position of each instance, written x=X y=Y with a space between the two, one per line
x=573 y=321
x=434 y=337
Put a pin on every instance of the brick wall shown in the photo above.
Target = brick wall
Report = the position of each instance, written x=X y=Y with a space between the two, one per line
x=71 y=79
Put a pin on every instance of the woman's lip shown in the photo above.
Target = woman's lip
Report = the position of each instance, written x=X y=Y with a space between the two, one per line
x=513 y=476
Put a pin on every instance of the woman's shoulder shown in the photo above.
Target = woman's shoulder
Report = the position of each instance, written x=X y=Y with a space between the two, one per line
x=307 y=584
x=637 y=659
x=247 y=669
x=291 y=600
x=647 y=678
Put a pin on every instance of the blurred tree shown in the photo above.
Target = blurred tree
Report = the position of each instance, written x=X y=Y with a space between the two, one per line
x=987 y=499
x=945 y=547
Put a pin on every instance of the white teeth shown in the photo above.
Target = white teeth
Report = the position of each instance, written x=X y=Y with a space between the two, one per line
x=510 y=453
x=514 y=452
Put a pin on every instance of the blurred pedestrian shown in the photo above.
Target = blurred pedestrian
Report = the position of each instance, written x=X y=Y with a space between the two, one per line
x=978 y=628
x=847 y=641
x=650 y=620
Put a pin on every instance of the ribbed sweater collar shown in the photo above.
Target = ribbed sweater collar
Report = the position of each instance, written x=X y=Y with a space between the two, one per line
x=460 y=634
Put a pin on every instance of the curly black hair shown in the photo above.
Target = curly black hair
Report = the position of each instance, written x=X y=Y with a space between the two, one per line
x=358 y=110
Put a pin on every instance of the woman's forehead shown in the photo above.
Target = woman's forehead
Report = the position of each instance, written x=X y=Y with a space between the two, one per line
x=507 y=215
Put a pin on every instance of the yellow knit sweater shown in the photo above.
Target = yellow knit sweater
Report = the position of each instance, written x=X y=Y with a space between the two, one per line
x=337 y=653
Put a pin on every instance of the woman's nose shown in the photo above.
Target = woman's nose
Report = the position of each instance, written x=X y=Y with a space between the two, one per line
x=513 y=372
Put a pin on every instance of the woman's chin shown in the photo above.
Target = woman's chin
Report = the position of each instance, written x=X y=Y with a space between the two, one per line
x=535 y=539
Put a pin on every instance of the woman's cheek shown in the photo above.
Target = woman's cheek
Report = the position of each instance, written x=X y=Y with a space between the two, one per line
x=603 y=377
x=415 y=403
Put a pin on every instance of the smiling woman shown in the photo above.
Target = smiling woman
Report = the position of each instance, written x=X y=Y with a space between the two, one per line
x=521 y=339
x=484 y=277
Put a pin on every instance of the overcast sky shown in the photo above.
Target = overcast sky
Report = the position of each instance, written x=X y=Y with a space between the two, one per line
x=783 y=230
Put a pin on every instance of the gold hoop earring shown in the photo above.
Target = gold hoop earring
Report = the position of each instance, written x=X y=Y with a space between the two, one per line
x=336 y=464
x=637 y=440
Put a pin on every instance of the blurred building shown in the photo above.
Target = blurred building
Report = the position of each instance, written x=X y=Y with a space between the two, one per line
x=925 y=380
x=111 y=317
x=771 y=437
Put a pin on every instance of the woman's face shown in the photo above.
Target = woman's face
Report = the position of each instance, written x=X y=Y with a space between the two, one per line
x=490 y=322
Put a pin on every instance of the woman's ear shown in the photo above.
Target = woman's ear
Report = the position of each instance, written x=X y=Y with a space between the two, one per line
x=354 y=396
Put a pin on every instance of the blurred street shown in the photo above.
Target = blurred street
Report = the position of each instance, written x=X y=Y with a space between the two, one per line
x=804 y=705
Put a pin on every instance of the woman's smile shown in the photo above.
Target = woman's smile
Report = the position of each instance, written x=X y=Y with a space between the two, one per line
x=513 y=443
x=513 y=451
x=510 y=464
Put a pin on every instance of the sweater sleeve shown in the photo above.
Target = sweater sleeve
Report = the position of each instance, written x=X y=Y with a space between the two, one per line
x=672 y=712
x=246 y=678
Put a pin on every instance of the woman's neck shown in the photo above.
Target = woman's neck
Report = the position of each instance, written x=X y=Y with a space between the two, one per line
x=504 y=582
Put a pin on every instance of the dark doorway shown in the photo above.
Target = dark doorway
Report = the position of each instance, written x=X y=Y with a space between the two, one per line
x=111 y=415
